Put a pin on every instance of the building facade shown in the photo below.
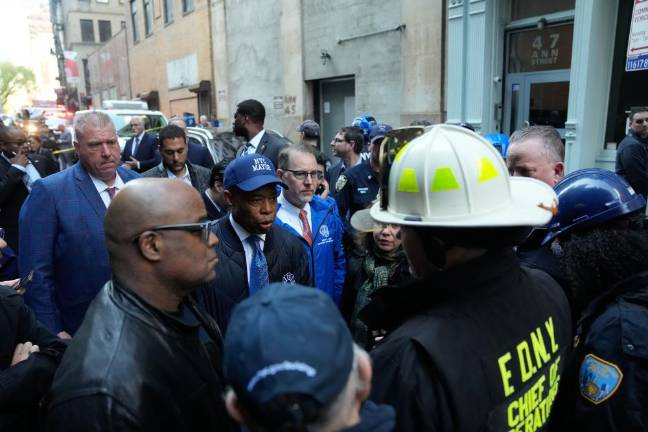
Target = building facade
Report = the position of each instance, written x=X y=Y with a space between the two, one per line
x=170 y=55
x=86 y=25
x=330 y=61
x=513 y=63
x=108 y=70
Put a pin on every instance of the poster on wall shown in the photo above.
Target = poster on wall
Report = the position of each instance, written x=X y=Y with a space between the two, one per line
x=637 y=55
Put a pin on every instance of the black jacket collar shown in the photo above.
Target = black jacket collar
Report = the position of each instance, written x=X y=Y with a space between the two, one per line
x=391 y=305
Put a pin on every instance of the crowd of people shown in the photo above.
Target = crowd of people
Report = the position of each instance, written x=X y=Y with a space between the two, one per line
x=420 y=283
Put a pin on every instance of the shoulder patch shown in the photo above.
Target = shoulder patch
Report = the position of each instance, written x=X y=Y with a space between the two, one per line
x=324 y=230
x=341 y=181
x=599 y=379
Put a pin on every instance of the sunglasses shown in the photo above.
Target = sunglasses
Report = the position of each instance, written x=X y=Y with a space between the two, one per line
x=395 y=140
x=206 y=228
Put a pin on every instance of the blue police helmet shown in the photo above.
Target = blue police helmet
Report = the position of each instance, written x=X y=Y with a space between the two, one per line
x=591 y=197
x=499 y=141
x=364 y=122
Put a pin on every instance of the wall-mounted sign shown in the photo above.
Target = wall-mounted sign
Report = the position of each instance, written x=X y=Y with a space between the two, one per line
x=540 y=50
x=277 y=102
x=637 y=56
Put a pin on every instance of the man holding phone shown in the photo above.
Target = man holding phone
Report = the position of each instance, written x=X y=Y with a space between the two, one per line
x=18 y=172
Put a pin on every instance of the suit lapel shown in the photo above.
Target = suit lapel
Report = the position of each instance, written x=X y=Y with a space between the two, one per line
x=261 y=148
x=84 y=182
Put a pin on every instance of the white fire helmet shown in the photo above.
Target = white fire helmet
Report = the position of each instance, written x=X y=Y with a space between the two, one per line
x=452 y=177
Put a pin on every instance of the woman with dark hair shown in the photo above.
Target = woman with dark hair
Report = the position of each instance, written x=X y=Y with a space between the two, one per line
x=381 y=262
x=606 y=386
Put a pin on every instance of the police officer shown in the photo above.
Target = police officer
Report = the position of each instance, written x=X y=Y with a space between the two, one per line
x=476 y=342
x=604 y=261
x=358 y=187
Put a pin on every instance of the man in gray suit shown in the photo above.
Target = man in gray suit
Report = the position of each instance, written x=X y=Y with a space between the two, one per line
x=174 y=150
x=248 y=124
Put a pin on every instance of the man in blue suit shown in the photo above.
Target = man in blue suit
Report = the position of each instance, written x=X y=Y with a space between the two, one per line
x=61 y=227
x=141 y=151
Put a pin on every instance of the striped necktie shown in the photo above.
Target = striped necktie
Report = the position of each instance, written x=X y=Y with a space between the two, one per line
x=306 y=231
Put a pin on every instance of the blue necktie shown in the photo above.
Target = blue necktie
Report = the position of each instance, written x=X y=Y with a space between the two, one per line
x=259 y=266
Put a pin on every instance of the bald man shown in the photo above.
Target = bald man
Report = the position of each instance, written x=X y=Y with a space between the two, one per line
x=136 y=362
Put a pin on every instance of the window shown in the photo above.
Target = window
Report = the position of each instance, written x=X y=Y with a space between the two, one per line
x=105 y=32
x=87 y=31
x=521 y=9
x=103 y=1
x=133 y=9
x=187 y=6
x=168 y=11
x=148 y=17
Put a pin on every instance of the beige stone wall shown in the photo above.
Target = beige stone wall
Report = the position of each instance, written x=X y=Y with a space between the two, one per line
x=186 y=35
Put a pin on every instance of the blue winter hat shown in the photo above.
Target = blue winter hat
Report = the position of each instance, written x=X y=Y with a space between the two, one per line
x=287 y=339
x=250 y=172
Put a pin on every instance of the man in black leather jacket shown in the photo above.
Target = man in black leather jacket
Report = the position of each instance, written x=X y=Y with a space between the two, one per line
x=136 y=362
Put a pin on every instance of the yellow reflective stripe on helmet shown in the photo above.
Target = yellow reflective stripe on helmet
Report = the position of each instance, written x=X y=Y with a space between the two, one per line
x=486 y=170
x=444 y=179
x=401 y=152
x=408 y=181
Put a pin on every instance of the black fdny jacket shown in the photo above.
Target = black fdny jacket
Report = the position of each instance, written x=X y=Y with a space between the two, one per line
x=606 y=387
x=357 y=191
x=131 y=366
x=478 y=347
x=287 y=262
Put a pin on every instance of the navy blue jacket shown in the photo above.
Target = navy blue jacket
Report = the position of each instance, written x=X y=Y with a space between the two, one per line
x=359 y=190
x=147 y=152
x=329 y=266
x=199 y=155
x=284 y=254
x=62 y=239
x=632 y=162
x=607 y=385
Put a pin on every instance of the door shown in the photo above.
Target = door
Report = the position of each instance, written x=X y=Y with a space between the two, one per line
x=537 y=78
x=536 y=99
x=337 y=109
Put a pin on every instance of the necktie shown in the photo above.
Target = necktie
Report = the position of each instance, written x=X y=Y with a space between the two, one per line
x=111 y=192
x=259 y=266
x=306 y=232
x=135 y=144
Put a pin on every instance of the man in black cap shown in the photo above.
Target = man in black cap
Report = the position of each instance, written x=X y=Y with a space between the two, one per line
x=248 y=124
x=137 y=362
x=311 y=377
x=309 y=133
x=253 y=250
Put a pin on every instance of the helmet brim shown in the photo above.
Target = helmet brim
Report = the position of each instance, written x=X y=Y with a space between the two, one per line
x=532 y=203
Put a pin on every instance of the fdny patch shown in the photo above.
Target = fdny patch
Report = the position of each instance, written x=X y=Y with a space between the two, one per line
x=324 y=230
x=289 y=278
x=599 y=379
x=341 y=181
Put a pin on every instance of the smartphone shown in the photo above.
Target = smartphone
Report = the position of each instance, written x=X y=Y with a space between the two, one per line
x=21 y=285
x=320 y=189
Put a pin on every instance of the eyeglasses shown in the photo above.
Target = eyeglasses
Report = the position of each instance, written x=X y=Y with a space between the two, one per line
x=393 y=142
x=206 y=228
x=301 y=175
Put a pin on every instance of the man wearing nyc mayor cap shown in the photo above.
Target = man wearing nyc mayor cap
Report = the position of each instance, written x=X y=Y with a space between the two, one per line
x=253 y=251
x=292 y=365
x=476 y=342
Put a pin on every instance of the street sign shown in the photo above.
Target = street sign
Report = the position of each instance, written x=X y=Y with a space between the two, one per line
x=637 y=55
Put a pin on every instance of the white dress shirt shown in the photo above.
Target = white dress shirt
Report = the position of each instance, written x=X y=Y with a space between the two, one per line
x=185 y=177
x=101 y=188
x=31 y=173
x=289 y=214
x=247 y=248
x=254 y=143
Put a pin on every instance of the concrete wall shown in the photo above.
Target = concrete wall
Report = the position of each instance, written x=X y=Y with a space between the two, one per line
x=270 y=50
x=109 y=71
x=186 y=35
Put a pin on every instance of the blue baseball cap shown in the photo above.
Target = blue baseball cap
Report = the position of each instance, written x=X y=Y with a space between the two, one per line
x=379 y=130
x=250 y=172
x=287 y=339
